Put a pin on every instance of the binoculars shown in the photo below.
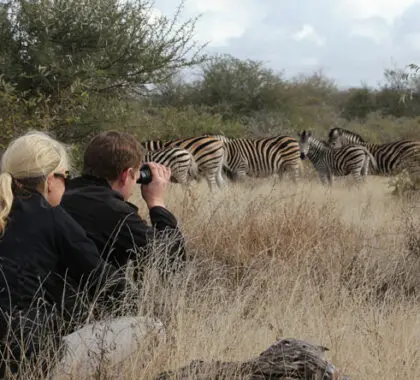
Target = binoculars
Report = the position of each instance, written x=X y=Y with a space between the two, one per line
x=145 y=175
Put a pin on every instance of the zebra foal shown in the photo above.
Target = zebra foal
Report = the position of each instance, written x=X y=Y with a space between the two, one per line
x=180 y=161
x=391 y=158
x=330 y=162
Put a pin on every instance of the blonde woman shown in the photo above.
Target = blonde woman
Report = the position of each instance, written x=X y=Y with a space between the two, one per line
x=45 y=256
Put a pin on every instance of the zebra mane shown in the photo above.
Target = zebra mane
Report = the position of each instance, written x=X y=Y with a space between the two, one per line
x=345 y=132
x=319 y=143
x=220 y=137
x=152 y=144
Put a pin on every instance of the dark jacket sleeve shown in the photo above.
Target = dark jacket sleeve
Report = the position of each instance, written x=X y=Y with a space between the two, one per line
x=162 y=218
x=167 y=226
x=81 y=258
x=163 y=239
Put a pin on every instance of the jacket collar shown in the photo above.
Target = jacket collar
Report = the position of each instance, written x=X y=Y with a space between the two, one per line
x=86 y=179
x=90 y=181
x=25 y=192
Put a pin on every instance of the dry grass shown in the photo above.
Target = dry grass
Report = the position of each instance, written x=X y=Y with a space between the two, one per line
x=271 y=260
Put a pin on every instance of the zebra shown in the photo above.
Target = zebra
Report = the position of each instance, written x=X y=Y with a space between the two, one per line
x=222 y=138
x=153 y=145
x=226 y=170
x=330 y=162
x=208 y=153
x=391 y=158
x=180 y=161
x=261 y=157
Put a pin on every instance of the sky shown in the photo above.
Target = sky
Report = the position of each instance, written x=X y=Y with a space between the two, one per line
x=350 y=41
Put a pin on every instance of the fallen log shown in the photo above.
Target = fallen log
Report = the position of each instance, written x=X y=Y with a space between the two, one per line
x=287 y=359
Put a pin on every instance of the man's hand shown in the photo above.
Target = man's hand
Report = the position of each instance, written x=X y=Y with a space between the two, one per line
x=154 y=192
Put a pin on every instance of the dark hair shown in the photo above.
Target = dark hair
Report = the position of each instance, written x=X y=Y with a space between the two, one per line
x=110 y=153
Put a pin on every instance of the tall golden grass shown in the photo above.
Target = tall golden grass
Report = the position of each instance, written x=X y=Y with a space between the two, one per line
x=270 y=260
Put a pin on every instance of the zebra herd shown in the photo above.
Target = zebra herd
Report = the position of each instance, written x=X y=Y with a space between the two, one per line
x=345 y=153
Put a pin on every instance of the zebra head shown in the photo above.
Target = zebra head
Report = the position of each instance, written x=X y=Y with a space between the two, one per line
x=335 y=137
x=304 y=143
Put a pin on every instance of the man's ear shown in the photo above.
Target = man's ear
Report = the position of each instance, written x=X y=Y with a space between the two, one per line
x=124 y=175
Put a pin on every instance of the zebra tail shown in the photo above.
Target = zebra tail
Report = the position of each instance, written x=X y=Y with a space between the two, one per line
x=372 y=159
x=225 y=166
x=193 y=169
x=229 y=173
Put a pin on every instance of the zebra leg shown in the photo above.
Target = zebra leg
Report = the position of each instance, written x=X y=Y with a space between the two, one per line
x=242 y=171
x=367 y=164
x=365 y=168
x=330 y=178
x=296 y=171
x=182 y=176
x=199 y=176
x=412 y=166
x=323 y=178
x=211 y=181
x=293 y=171
x=219 y=177
x=211 y=178
x=357 y=175
x=280 y=173
x=357 y=178
x=238 y=173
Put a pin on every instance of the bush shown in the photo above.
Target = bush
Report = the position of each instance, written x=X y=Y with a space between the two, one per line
x=62 y=59
x=170 y=123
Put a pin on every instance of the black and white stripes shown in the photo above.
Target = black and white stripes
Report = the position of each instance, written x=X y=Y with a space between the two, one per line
x=262 y=157
x=329 y=162
x=345 y=153
x=180 y=161
x=391 y=158
x=207 y=153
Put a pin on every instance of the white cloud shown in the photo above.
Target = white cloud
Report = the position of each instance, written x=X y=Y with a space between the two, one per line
x=375 y=31
x=413 y=40
x=307 y=32
x=309 y=61
x=354 y=40
x=389 y=10
x=222 y=20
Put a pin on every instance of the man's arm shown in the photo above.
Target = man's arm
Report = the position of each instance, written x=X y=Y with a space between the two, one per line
x=165 y=229
x=163 y=220
x=163 y=238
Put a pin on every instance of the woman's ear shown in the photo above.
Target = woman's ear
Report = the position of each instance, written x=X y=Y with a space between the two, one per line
x=48 y=184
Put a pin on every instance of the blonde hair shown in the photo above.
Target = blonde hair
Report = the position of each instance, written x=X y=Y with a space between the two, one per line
x=33 y=156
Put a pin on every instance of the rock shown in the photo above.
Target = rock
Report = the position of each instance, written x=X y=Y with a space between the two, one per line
x=101 y=346
x=287 y=359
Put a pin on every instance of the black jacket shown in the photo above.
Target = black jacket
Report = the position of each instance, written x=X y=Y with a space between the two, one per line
x=45 y=257
x=114 y=225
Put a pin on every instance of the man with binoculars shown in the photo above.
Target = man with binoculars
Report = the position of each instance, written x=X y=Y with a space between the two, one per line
x=98 y=201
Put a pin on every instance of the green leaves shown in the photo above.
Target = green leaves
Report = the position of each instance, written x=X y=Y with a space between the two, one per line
x=108 y=44
x=63 y=56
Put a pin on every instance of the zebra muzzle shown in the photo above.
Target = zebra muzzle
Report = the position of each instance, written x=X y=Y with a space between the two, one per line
x=302 y=155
